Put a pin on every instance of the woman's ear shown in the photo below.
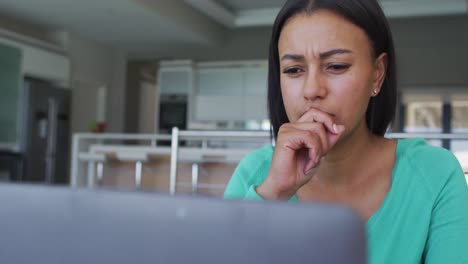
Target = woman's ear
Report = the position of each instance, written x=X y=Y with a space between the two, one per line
x=380 y=68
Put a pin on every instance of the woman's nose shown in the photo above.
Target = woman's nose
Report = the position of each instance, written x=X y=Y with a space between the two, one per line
x=314 y=86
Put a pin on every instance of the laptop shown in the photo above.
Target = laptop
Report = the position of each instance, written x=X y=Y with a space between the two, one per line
x=40 y=224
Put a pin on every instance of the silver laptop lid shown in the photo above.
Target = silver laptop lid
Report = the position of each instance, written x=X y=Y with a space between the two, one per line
x=60 y=225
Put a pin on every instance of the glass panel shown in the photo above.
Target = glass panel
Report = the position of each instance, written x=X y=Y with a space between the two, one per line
x=434 y=142
x=10 y=74
x=424 y=116
x=460 y=116
x=459 y=124
x=462 y=157
x=459 y=145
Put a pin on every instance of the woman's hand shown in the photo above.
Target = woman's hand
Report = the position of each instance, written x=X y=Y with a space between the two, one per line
x=299 y=149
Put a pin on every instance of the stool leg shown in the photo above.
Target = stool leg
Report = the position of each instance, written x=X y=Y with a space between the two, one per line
x=100 y=172
x=138 y=172
x=194 y=178
x=91 y=169
x=174 y=159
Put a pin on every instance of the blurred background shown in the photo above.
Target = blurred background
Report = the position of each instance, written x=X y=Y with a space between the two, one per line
x=90 y=90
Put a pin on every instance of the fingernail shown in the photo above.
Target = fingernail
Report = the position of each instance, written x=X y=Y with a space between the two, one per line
x=342 y=128
x=335 y=128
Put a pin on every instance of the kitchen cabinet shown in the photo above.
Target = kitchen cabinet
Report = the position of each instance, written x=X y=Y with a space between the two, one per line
x=175 y=78
x=10 y=81
x=40 y=60
x=255 y=108
x=219 y=108
x=218 y=95
x=231 y=92
x=255 y=93
x=173 y=95
x=219 y=82
x=218 y=91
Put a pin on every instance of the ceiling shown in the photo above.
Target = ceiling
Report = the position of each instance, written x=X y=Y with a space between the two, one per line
x=139 y=25
x=242 y=5
x=243 y=13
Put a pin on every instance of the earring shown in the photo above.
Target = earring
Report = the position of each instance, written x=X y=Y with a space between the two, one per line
x=375 y=91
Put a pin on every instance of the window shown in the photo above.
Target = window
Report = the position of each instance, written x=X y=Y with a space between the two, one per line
x=423 y=114
x=459 y=123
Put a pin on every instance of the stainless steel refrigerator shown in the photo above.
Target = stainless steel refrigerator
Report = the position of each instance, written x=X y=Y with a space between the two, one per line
x=45 y=137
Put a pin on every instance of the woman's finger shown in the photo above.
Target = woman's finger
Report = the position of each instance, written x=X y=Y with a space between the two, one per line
x=314 y=115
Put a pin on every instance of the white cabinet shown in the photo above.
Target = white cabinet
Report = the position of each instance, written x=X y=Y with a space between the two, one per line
x=218 y=95
x=219 y=82
x=218 y=108
x=174 y=82
x=230 y=92
x=175 y=78
x=47 y=65
x=255 y=108
x=39 y=62
x=255 y=93
x=218 y=91
x=255 y=81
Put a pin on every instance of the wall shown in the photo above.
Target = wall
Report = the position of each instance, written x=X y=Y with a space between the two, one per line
x=239 y=44
x=133 y=91
x=140 y=97
x=431 y=51
x=93 y=66
x=147 y=107
x=24 y=29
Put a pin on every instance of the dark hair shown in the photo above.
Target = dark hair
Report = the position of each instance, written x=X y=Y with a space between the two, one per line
x=366 y=14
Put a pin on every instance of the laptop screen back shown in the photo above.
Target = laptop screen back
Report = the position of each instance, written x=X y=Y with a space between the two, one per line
x=60 y=225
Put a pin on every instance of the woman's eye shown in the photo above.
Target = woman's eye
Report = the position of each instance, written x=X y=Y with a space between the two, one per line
x=338 y=67
x=292 y=71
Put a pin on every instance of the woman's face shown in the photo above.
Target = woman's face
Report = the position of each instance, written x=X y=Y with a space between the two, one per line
x=327 y=63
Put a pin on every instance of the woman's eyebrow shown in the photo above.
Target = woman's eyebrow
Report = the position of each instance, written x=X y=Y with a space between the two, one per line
x=294 y=57
x=332 y=52
x=323 y=55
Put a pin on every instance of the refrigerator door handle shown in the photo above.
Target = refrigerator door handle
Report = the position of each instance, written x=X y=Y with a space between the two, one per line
x=51 y=140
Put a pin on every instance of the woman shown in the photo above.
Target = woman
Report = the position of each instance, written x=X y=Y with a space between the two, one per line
x=332 y=96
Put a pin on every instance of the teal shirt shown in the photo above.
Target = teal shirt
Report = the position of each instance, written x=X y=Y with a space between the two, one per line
x=423 y=218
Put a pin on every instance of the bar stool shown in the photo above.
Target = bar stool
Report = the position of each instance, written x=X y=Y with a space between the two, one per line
x=139 y=158
x=91 y=160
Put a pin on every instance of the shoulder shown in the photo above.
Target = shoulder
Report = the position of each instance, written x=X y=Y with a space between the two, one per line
x=432 y=165
x=251 y=171
x=257 y=157
x=427 y=157
x=254 y=167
